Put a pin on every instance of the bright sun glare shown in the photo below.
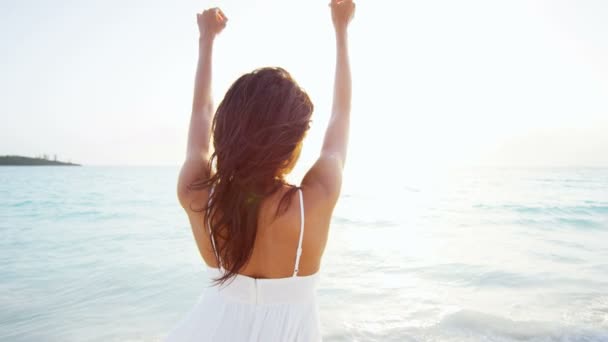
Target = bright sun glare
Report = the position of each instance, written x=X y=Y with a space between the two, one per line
x=435 y=83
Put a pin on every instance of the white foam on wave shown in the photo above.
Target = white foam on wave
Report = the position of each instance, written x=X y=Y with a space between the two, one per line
x=468 y=325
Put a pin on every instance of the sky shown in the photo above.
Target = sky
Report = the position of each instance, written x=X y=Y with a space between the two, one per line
x=454 y=83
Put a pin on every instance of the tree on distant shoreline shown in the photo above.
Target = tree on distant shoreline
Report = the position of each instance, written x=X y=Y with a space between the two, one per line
x=14 y=160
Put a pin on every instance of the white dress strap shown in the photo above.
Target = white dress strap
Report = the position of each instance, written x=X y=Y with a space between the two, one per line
x=299 y=250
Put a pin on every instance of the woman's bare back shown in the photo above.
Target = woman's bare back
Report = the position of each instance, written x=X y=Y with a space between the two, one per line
x=276 y=242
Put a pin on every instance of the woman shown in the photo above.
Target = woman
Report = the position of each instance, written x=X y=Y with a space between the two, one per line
x=261 y=237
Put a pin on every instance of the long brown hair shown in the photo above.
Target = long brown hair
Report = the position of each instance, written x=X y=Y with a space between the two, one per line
x=257 y=134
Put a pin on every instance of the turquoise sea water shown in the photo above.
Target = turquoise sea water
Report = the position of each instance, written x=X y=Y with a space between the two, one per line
x=105 y=254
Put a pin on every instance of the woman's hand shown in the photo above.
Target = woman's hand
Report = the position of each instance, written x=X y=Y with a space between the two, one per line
x=342 y=12
x=211 y=22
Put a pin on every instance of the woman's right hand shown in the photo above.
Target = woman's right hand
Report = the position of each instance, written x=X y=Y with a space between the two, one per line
x=342 y=12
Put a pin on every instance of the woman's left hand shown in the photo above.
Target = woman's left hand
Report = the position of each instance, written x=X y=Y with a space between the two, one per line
x=211 y=22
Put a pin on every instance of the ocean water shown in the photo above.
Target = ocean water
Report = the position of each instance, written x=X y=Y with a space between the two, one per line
x=105 y=254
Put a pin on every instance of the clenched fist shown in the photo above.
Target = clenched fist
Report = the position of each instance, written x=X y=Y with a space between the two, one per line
x=211 y=22
x=342 y=12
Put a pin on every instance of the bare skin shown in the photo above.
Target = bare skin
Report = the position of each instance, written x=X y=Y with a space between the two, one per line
x=277 y=238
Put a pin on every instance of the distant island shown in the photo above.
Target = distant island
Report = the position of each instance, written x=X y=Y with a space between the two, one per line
x=27 y=161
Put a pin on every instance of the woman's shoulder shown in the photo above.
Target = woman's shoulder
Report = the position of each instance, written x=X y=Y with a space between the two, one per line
x=323 y=182
x=285 y=207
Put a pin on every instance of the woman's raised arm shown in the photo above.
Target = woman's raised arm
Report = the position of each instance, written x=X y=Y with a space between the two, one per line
x=210 y=23
x=326 y=174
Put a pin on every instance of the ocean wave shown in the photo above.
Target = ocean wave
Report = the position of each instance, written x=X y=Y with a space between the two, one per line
x=479 y=276
x=585 y=217
x=561 y=222
x=468 y=325
x=547 y=210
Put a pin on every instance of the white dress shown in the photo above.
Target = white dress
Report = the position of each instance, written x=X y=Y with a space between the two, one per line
x=250 y=309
